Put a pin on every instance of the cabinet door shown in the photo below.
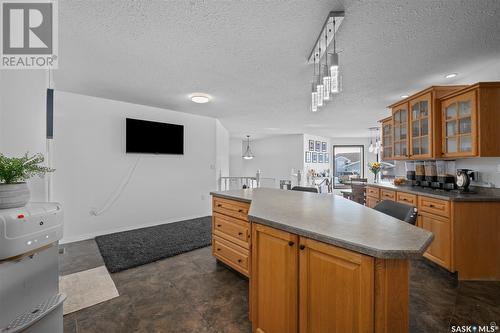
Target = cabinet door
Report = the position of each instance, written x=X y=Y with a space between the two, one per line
x=400 y=132
x=371 y=202
x=274 y=280
x=387 y=140
x=421 y=127
x=459 y=130
x=336 y=289
x=440 y=249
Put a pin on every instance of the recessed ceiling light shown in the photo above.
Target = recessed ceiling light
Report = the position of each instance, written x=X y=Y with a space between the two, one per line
x=451 y=75
x=405 y=96
x=200 y=98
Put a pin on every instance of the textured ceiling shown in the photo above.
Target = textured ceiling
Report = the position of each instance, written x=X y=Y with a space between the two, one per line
x=251 y=56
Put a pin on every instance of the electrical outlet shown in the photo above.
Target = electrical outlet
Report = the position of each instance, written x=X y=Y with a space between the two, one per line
x=203 y=197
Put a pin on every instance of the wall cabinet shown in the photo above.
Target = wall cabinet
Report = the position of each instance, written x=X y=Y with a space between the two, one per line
x=386 y=153
x=471 y=121
x=400 y=131
x=445 y=122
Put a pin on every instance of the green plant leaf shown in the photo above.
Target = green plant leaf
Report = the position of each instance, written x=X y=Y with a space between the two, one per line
x=20 y=169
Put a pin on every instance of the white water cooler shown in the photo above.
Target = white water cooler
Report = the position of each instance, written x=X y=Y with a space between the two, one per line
x=29 y=270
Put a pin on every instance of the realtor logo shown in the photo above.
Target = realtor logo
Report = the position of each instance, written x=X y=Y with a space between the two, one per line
x=29 y=34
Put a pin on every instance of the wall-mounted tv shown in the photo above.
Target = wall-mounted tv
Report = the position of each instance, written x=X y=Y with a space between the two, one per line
x=149 y=137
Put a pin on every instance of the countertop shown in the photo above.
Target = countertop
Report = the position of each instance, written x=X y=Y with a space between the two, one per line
x=477 y=193
x=334 y=220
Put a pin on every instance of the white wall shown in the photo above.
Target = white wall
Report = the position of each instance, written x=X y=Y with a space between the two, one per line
x=274 y=156
x=22 y=122
x=91 y=163
x=221 y=150
x=318 y=167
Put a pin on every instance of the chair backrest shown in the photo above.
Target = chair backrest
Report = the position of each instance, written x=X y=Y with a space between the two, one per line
x=401 y=211
x=359 y=180
x=358 y=192
x=305 y=189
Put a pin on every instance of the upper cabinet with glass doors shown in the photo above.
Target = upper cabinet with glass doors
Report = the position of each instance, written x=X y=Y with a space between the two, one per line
x=471 y=121
x=386 y=151
x=416 y=124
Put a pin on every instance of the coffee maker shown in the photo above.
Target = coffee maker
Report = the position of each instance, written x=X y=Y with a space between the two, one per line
x=445 y=175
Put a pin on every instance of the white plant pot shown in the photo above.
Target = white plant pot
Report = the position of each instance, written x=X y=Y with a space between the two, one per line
x=14 y=195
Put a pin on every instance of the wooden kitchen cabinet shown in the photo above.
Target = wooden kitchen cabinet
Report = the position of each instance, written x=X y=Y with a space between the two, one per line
x=386 y=153
x=421 y=127
x=372 y=196
x=371 y=202
x=471 y=121
x=400 y=131
x=440 y=249
x=335 y=288
x=303 y=285
x=274 y=280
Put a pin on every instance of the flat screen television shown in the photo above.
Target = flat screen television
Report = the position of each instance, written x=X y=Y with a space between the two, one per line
x=149 y=137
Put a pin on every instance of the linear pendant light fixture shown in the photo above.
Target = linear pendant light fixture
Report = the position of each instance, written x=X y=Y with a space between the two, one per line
x=328 y=80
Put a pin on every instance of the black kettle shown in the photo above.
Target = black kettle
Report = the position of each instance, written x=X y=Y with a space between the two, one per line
x=463 y=179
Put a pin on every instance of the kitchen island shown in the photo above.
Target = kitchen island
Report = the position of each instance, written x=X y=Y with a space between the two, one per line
x=317 y=262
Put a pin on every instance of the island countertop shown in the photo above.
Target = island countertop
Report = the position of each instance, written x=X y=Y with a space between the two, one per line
x=333 y=220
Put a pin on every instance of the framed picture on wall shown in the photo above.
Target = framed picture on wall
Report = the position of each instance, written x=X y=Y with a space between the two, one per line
x=311 y=145
x=318 y=145
x=314 y=157
x=327 y=158
x=323 y=146
x=320 y=158
x=308 y=157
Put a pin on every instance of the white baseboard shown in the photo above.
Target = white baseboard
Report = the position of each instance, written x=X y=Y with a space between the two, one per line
x=92 y=235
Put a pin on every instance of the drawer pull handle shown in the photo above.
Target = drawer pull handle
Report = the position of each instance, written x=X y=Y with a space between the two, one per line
x=218 y=249
x=240 y=233
x=290 y=243
x=239 y=260
x=219 y=205
x=219 y=225
x=302 y=246
x=431 y=205
x=240 y=210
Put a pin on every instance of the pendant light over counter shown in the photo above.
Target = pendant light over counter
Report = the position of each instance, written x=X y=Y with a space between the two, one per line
x=248 y=155
x=327 y=80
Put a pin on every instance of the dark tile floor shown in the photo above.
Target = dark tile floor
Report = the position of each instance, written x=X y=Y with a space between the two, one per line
x=193 y=293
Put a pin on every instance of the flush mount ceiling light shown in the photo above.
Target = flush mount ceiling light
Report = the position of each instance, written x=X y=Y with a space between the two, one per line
x=248 y=155
x=451 y=75
x=405 y=96
x=200 y=98
x=327 y=79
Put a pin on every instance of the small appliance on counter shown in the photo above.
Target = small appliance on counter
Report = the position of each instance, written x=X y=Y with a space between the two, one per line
x=419 y=172
x=464 y=177
x=30 y=301
x=430 y=173
x=410 y=172
x=445 y=175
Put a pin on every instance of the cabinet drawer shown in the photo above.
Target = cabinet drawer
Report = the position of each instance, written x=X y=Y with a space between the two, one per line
x=231 y=207
x=231 y=254
x=373 y=192
x=371 y=202
x=434 y=206
x=387 y=195
x=410 y=199
x=232 y=229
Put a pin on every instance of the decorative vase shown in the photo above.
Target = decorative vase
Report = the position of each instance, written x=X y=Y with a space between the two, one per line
x=375 y=177
x=14 y=195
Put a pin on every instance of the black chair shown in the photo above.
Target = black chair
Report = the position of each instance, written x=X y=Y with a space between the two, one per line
x=401 y=211
x=305 y=189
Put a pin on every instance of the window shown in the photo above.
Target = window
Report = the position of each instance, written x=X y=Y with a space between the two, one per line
x=348 y=163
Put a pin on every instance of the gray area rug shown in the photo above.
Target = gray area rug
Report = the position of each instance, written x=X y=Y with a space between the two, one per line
x=127 y=249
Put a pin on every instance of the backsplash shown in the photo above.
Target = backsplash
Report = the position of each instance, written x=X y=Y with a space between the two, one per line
x=487 y=167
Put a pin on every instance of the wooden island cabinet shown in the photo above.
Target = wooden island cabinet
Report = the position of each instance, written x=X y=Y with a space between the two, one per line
x=302 y=285
x=306 y=274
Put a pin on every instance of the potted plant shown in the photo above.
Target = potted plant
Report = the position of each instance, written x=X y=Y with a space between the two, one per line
x=14 y=172
x=374 y=167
